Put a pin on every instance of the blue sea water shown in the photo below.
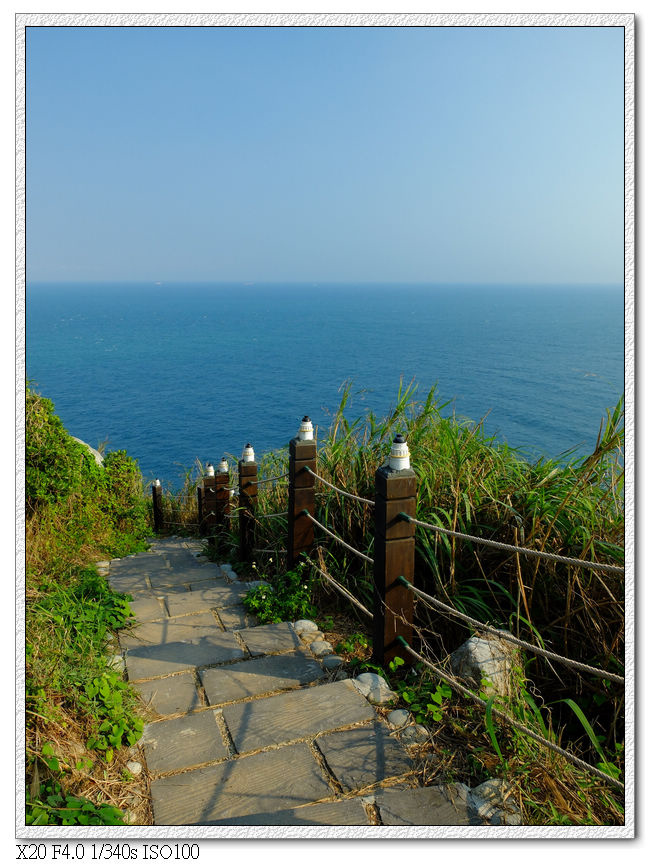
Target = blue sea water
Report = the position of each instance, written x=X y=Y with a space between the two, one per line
x=173 y=372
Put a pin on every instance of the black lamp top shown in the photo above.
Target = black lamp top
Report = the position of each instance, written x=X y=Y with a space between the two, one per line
x=399 y=439
x=306 y=419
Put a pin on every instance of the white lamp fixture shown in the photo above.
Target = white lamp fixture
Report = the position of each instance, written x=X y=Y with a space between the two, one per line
x=306 y=431
x=223 y=466
x=248 y=454
x=399 y=454
x=209 y=470
x=156 y=483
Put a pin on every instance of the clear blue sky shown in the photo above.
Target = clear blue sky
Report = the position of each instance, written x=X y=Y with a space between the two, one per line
x=325 y=154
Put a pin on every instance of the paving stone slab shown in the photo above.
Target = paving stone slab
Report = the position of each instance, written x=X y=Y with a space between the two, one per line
x=266 y=639
x=139 y=568
x=180 y=577
x=236 y=618
x=263 y=783
x=214 y=597
x=195 y=629
x=295 y=714
x=148 y=609
x=182 y=742
x=364 y=756
x=344 y=812
x=207 y=583
x=259 y=676
x=171 y=695
x=148 y=662
x=424 y=806
x=129 y=585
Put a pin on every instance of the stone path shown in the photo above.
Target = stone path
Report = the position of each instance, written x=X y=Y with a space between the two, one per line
x=251 y=728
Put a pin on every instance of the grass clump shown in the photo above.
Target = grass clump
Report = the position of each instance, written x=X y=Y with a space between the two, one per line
x=79 y=711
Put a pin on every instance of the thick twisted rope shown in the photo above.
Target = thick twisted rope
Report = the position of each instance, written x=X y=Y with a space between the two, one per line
x=338 y=489
x=347 y=594
x=337 y=538
x=594 y=566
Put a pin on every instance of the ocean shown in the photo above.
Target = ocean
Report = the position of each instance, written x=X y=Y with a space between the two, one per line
x=173 y=372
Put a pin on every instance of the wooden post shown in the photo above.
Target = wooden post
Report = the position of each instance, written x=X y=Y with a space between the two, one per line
x=222 y=495
x=156 y=495
x=394 y=554
x=199 y=504
x=302 y=454
x=247 y=502
x=208 y=503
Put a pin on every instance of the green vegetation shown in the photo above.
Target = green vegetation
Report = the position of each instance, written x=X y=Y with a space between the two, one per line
x=285 y=597
x=79 y=711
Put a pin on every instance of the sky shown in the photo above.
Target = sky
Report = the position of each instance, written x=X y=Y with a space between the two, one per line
x=329 y=154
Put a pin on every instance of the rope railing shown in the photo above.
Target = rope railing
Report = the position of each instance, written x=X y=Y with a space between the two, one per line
x=268 y=480
x=340 y=588
x=337 y=538
x=508 y=637
x=540 y=554
x=461 y=689
x=338 y=489
x=270 y=516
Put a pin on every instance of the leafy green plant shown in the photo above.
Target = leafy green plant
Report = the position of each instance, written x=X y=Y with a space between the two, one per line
x=418 y=693
x=287 y=598
x=54 y=806
x=353 y=642
x=117 y=725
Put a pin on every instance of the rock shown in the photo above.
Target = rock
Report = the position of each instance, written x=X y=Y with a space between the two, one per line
x=331 y=662
x=494 y=803
x=134 y=767
x=415 y=734
x=320 y=648
x=374 y=687
x=305 y=626
x=99 y=459
x=399 y=717
x=488 y=658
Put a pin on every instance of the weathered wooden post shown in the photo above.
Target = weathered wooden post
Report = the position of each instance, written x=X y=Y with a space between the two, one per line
x=395 y=491
x=247 y=502
x=208 y=498
x=156 y=495
x=302 y=454
x=222 y=494
x=199 y=505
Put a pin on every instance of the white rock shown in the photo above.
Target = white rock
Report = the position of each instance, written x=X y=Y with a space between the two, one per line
x=399 y=717
x=415 y=734
x=320 y=648
x=494 y=802
x=374 y=687
x=134 y=767
x=486 y=658
x=305 y=626
x=331 y=662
